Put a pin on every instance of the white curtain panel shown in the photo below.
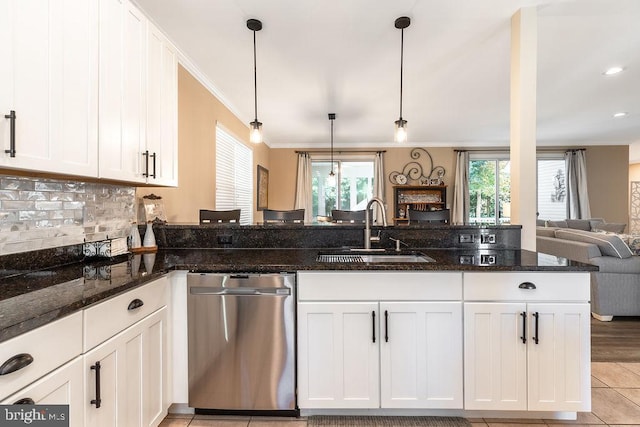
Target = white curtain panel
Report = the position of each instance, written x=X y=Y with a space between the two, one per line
x=578 y=203
x=303 y=186
x=378 y=183
x=461 y=190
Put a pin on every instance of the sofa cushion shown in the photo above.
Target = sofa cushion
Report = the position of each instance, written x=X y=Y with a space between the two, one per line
x=609 y=244
x=546 y=231
x=579 y=224
x=613 y=227
x=541 y=222
x=595 y=221
x=560 y=224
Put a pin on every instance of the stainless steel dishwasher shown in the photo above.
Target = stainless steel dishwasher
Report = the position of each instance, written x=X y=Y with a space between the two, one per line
x=241 y=343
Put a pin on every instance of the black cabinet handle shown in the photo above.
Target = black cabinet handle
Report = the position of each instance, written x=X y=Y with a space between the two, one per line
x=146 y=164
x=97 y=401
x=25 y=401
x=386 y=326
x=12 y=133
x=373 y=324
x=136 y=303
x=524 y=327
x=527 y=285
x=153 y=156
x=16 y=363
x=535 y=337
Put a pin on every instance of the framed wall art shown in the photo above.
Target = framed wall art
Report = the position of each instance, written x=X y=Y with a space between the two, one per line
x=262 y=188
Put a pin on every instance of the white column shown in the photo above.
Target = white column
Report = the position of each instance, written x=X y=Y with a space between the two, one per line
x=524 y=54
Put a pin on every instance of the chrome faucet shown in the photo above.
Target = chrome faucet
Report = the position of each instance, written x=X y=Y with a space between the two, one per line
x=367 y=221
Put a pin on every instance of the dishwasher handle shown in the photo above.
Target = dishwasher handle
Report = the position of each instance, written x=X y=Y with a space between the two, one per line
x=206 y=290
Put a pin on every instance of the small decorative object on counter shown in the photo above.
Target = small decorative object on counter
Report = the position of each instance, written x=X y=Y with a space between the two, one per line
x=135 y=242
x=149 y=238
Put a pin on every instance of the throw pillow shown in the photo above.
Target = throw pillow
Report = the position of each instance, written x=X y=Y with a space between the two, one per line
x=595 y=221
x=634 y=244
x=612 y=227
x=609 y=244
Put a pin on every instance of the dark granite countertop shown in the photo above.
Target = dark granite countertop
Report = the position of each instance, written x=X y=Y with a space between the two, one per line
x=29 y=299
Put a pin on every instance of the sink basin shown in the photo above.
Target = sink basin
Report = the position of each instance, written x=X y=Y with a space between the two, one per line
x=374 y=258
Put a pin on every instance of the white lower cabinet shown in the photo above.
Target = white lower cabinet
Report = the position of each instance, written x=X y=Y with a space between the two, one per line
x=64 y=386
x=125 y=376
x=379 y=353
x=532 y=354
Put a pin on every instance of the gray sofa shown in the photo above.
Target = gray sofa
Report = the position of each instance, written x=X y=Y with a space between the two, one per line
x=615 y=288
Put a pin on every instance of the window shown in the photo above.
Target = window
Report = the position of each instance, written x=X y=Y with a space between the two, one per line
x=489 y=189
x=552 y=188
x=234 y=175
x=352 y=189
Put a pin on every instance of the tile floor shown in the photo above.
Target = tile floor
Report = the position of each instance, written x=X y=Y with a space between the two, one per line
x=615 y=400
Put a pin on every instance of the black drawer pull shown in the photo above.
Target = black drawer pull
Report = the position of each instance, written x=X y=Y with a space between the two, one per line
x=373 y=324
x=25 y=401
x=536 y=315
x=386 y=326
x=524 y=327
x=12 y=136
x=153 y=156
x=97 y=401
x=136 y=303
x=16 y=363
x=146 y=164
x=527 y=285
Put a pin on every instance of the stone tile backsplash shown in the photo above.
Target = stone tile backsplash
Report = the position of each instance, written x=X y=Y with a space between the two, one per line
x=38 y=213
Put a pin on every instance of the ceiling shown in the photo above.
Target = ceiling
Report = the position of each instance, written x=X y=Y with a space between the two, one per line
x=316 y=57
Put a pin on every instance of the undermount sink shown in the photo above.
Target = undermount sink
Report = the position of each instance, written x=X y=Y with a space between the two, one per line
x=374 y=258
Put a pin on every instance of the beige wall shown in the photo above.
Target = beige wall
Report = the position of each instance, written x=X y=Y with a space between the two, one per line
x=198 y=113
x=608 y=182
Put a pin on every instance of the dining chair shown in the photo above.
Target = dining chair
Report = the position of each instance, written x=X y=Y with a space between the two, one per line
x=272 y=215
x=212 y=217
x=342 y=216
x=441 y=216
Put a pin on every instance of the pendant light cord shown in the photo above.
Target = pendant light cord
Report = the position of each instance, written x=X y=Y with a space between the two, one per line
x=332 y=145
x=401 y=66
x=255 y=79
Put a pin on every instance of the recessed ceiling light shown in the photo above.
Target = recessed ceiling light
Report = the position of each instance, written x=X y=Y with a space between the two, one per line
x=620 y=114
x=613 y=70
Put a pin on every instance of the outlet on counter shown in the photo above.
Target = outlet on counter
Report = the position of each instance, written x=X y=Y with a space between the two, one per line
x=466 y=238
x=487 y=238
x=225 y=239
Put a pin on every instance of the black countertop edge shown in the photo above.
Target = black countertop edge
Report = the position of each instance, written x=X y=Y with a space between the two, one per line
x=34 y=299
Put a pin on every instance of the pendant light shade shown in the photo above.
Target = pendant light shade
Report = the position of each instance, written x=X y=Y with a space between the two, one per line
x=332 y=175
x=401 y=124
x=255 y=135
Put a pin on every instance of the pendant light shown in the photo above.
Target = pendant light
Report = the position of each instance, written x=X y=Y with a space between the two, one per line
x=401 y=124
x=332 y=175
x=256 y=127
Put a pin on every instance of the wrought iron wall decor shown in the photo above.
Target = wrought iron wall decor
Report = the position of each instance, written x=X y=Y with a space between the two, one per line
x=415 y=171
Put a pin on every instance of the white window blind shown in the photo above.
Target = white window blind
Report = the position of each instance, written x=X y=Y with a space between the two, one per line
x=234 y=175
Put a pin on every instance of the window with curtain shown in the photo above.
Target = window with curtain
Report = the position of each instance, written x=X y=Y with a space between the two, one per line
x=552 y=186
x=489 y=189
x=352 y=189
x=234 y=175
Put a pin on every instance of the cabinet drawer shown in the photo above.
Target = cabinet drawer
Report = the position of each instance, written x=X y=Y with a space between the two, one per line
x=379 y=285
x=50 y=346
x=106 y=319
x=554 y=286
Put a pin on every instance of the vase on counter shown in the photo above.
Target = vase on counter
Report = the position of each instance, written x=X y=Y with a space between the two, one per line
x=134 y=237
x=149 y=237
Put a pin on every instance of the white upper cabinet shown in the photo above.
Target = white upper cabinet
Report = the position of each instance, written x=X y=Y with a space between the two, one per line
x=138 y=98
x=162 y=110
x=48 y=76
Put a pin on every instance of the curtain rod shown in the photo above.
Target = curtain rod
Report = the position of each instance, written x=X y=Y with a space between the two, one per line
x=507 y=149
x=339 y=151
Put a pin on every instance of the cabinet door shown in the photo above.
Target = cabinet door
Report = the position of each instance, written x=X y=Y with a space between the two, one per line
x=122 y=91
x=495 y=356
x=162 y=110
x=338 y=365
x=64 y=386
x=132 y=376
x=48 y=76
x=559 y=357
x=421 y=355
